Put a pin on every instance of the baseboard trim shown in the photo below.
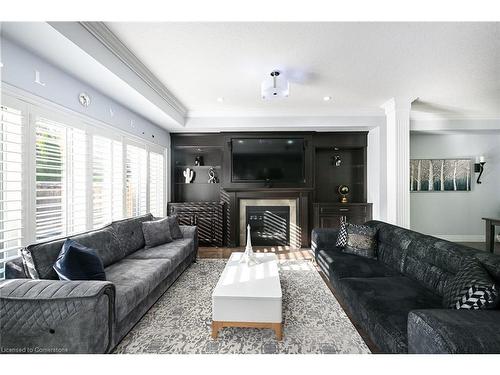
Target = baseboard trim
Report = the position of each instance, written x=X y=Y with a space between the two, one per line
x=461 y=237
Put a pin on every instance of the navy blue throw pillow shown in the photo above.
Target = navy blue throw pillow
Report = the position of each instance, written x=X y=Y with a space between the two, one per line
x=77 y=262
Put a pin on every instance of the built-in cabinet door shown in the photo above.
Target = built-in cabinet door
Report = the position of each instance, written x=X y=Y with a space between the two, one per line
x=330 y=221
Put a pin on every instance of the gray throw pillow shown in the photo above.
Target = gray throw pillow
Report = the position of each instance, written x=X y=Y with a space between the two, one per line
x=156 y=232
x=361 y=240
x=472 y=288
x=175 y=229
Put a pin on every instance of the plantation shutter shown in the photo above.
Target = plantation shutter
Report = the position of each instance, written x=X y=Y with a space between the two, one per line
x=156 y=184
x=117 y=184
x=107 y=180
x=102 y=180
x=60 y=161
x=11 y=181
x=136 y=180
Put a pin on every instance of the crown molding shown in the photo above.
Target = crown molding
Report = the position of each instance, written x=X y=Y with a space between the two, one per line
x=282 y=123
x=108 y=39
x=436 y=116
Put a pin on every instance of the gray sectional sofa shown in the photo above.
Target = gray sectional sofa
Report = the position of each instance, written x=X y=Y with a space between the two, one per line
x=42 y=314
x=397 y=299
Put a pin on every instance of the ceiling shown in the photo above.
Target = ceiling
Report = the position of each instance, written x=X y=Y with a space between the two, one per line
x=453 y=68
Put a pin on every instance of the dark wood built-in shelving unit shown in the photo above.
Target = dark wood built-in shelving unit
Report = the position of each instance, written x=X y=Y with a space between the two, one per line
x=317 y=197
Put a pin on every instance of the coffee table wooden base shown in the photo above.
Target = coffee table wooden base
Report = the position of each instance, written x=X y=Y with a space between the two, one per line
x=277 y=327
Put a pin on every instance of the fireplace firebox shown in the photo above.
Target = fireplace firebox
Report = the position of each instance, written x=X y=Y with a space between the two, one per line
x=269 y=225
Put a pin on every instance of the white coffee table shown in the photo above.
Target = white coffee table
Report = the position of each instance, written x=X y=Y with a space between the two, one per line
x=248 y=296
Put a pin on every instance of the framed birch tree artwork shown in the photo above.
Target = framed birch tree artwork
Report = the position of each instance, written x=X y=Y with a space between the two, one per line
x=440 y=175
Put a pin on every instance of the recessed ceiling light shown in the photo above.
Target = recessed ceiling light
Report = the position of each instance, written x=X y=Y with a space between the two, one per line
x=220 y=99
x=327 y=98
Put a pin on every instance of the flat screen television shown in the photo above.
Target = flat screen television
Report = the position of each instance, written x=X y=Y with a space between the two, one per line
x=268 y=159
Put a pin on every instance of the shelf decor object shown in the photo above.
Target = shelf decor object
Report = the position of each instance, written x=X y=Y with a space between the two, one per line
x=249 y=256
x=440 y=175
x=198 y=161
x=212 y=178
x=343 y=191
x=188 y=175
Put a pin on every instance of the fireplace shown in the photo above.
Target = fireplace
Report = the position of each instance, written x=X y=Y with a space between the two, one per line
x=269 y=225
x=273 y=222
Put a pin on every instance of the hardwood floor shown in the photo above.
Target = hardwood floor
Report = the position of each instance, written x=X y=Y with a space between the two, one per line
x=283 y=252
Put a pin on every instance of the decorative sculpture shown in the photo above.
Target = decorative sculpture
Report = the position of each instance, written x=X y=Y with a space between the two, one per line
x=249 y=256
x=212 y=178
x=188 y=175
x=198 y=161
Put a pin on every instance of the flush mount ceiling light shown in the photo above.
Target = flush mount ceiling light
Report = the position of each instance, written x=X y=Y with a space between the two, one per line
x=276 y=86
x=327 y=98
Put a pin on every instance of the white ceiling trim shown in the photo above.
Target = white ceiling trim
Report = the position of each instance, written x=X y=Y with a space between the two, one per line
x=302 y=123
x=100 y=31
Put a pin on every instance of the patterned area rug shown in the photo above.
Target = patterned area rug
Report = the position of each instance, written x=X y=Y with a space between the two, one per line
x=180 y=322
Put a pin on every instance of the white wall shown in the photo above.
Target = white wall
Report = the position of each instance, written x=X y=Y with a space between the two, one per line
x=18 y=70
x=457 y=215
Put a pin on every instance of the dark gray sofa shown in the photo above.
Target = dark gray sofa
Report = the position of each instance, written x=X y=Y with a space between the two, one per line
x=41 y=314
x=397 y=299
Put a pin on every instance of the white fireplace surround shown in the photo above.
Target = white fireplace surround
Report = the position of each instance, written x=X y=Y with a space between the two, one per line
x=295 y=232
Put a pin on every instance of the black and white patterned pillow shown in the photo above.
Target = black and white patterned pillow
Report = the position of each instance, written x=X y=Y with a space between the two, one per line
x=361 y=240
x=342 y=236
x=471 y=288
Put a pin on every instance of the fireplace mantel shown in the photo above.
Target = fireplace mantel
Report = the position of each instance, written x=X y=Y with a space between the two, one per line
x=294 y=235
x=233 y=199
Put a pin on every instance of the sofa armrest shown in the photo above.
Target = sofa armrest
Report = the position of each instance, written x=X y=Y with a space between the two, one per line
x=14 y=269
x=323 y=239
x=191 y=232
x=53 y=316
x=454 y=331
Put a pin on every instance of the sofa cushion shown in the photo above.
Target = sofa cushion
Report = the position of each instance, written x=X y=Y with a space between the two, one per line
x=392 y=244
x=471 y=288
x=339 y=265
x=134 y=279
x=78 y=262
x=40 y=258
x=156 y=232
x=176 y=251
x=105 y=242
x=429 y=260
x=129 y=233
x=361 y=240
x=381 y=306
x=175 y=230
x=454 y=331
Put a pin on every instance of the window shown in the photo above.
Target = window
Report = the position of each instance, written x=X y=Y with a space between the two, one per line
x=11 y=191
x=107 y=181
x=62 y=174
x=156 y=183
x=60 y=162
x=136 y=181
